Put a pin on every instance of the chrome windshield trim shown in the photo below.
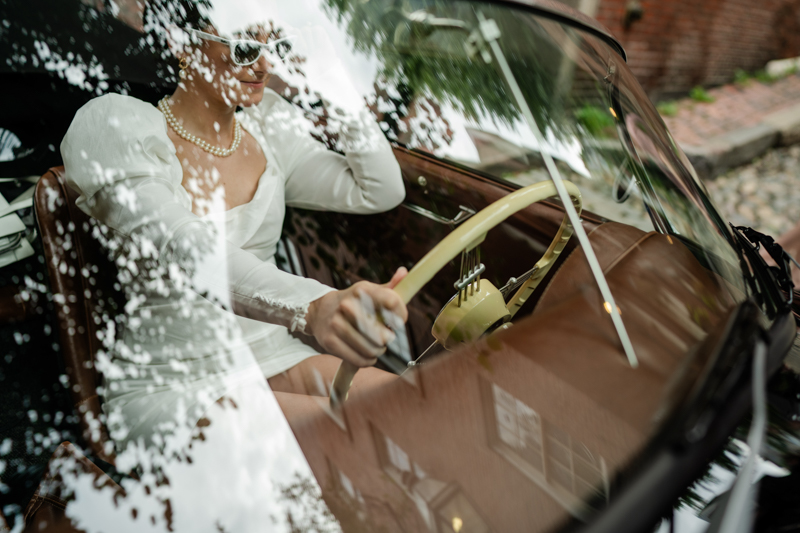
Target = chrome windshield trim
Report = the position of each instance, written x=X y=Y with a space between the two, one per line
x=463 y=214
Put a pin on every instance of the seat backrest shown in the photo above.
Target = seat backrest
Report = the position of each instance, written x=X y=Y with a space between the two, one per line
x=86 y=295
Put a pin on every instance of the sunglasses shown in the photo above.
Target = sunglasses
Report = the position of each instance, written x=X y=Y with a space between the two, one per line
x=244 y=52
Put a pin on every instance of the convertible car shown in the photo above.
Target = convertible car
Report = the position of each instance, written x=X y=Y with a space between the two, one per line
x=590 y=346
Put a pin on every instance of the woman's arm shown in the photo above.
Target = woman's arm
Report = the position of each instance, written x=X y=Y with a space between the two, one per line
x=196 y=254
x=118 y=156
x=366 y=179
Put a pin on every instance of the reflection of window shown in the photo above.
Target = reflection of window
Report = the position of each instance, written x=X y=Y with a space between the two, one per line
x=572 y=465
x=442 y=506
x=348 y=488
x=564 y=467
x=400 y=467
x=455 y=514
x=519 y=427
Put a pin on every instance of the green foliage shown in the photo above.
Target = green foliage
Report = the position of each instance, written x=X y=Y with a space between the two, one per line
x=742 y=77
x=668 y=109
x=765 y=77
x=511 y=176
x=791 y=71
x=728 y=459
x=699 y=94
x=596 y=120
x=434 y=62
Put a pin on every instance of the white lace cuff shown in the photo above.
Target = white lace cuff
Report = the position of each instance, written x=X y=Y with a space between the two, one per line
x=295 y=314
x=299 y=322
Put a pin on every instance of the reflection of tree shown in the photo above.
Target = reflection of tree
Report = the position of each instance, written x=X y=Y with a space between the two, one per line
x=433 y=62
x=8 y=144
x=340 y=512
x=311 y=514
x=410 y=119
x=127 y=11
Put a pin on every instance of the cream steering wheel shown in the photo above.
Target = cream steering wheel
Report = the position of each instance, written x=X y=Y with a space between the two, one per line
x=480 y=314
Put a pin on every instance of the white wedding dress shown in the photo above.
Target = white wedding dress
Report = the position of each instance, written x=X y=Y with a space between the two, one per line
x=179 y=351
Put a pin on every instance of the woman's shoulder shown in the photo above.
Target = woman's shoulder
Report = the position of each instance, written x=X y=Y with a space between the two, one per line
x=124 y=114
x=113 y=137
x=118 y=101
x=115 y=125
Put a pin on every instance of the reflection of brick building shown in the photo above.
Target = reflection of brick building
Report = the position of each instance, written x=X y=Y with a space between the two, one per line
x=514 y=433
x=469 y=450
x=678 y=44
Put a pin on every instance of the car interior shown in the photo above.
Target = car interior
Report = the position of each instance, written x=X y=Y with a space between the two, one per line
x=546 y=337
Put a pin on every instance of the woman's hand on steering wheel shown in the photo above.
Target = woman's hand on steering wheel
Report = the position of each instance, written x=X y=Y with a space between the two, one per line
x=349 y=323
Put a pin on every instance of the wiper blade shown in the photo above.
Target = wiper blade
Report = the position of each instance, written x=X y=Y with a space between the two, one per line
x=783 y=271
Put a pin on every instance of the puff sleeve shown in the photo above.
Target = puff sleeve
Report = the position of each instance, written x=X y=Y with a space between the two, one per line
x=365 y=180
x=118 y=156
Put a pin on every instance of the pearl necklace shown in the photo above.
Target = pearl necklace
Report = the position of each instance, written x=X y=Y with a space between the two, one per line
x=218 y=151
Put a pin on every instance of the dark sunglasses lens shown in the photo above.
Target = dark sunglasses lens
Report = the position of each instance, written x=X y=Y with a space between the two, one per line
x=245 y=54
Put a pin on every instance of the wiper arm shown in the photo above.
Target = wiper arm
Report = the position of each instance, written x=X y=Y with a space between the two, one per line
x=485 y=36
x=784 y=261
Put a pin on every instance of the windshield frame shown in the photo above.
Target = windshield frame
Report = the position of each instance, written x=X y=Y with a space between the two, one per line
x=565 y=14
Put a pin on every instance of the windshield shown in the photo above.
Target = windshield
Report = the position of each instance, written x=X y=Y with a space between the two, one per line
x=435 y=93
x=180 y=284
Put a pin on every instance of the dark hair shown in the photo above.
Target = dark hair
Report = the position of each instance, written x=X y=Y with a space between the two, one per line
x=159 y=16
x=181 y=13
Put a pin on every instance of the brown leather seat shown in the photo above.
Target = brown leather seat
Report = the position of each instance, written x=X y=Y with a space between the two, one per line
x=86 y=295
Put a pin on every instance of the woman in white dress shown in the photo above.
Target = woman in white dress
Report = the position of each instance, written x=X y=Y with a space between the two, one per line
x=196 y=193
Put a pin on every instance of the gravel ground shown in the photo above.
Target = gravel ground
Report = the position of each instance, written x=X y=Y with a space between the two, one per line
x=764 y=194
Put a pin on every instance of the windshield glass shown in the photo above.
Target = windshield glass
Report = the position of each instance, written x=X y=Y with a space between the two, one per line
x=237 y=204
x=436 y=93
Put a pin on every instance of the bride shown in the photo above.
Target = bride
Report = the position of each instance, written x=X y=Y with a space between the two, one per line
x=196 y=192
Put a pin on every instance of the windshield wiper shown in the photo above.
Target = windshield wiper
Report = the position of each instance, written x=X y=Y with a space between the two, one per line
x=749 y=242
x=484 y=42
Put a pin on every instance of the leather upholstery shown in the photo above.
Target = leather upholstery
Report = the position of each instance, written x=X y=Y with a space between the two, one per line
x=669 y=303
x=563 y=363
x=83 y=284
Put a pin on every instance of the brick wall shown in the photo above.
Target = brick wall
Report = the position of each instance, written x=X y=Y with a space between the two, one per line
x=679 y=44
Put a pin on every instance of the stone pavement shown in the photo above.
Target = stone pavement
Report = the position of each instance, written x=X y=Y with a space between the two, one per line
x=744 y=121
x=764 y=194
